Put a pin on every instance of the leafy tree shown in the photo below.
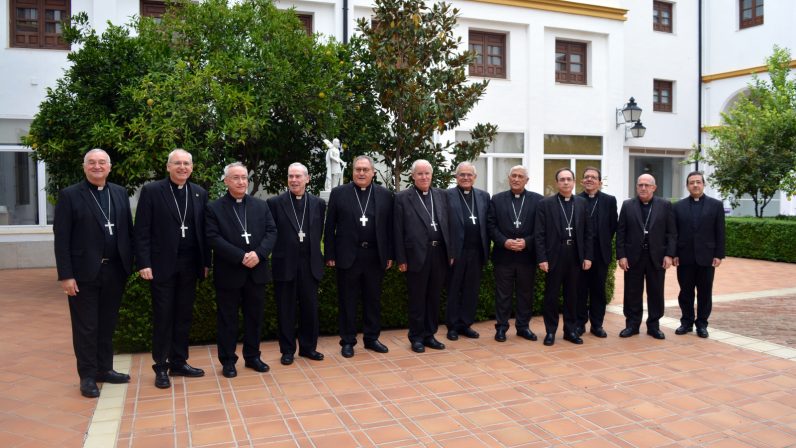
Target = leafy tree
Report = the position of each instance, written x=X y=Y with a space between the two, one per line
x=755 y=148
x=409 y=77
x=226 y=82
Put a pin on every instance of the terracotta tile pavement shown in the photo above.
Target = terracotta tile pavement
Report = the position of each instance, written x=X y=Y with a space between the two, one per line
x=611 y=392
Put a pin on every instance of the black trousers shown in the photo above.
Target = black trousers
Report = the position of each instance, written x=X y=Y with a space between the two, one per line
x=250 y=299
x=700 y=278
x=591 y=295
x=463 y=289
x=172 y=313
x=511 y=277
x=360 y=282
x=424 y=287
x=654 y=275
x=301 y=293
x=564 y=276
x=94 y=312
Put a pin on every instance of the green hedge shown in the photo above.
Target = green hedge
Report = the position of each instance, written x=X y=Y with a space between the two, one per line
x=134 y=330
x=771 y=239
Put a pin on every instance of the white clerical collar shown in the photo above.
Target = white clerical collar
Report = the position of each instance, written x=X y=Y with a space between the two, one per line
x=592 y=195
x=239 y=200
x=466 y=191
x=516 y=196
x=100 y=188
x=425 y=193
x=179 y=187
x=298 y=197
x=696 y=199
x=364 y=188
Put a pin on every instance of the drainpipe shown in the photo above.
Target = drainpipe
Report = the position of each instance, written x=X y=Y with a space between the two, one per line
x=345 y=21
x=699 y=80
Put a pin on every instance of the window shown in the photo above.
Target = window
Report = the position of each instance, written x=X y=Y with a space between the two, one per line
x=505 y=151
x=490 y=54
x=570 y=62
x=661 y=96
x=306 y=20
x=575 y=152
x=37 y=23
x=662 y=16
x=750 y=13
x=19 y=198
x=153 y=8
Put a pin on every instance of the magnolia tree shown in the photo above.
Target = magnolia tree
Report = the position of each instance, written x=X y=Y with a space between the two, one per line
x=754 y=151
x=408 y=74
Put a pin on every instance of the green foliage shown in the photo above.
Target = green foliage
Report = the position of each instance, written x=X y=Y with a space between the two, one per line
x=226 y=82
x=134 y=330
x=409 y=75
x=764 y=239
x=755 y=148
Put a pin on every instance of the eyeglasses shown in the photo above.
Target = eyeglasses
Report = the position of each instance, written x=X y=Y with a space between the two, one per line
x=181 y=163
x=465 y=175
x=238 y=178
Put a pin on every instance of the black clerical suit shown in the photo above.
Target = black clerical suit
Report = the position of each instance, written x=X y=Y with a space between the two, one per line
x=228 y=225
x=645 y=253
x=99 y=261
x=426 y=251
x=360 y=250
x=298 y=268
x=514 y=271
x=470 y=247
x=700 y=239
x=177 y=261
x=563 y=237
x=591 y=288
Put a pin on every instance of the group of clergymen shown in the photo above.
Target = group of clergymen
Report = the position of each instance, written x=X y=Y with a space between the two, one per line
x=438 y=238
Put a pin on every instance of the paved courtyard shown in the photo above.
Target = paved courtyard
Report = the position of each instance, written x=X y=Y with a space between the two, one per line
x=736 y=389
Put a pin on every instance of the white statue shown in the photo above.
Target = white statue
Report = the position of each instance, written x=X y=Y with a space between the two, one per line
x=334 y=164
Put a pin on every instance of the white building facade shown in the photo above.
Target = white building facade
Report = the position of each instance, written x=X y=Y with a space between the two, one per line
x=558 y=72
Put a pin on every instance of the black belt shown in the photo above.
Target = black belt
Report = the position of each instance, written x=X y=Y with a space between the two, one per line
x=366 y=245
x=435 y=243
x=107 y=260
x=569 y=242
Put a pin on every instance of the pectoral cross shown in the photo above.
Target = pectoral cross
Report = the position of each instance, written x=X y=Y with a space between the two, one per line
x=110 y=225
x=569 y=230
x=517 y=223
x=246 y=236
x=301 y=236
x=183 y=227
x=434 y=225
x=472 y=218
x=363 y=220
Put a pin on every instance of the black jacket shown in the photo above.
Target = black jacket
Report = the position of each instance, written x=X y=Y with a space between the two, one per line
x=500 y=225
x=661 y=227
x=411 y=227
x=286 y=252
x=549 y=230
x=701 y=245
x=456 y=219
x=605 y=227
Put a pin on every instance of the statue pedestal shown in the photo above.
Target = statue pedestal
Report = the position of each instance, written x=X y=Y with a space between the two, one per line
x=325 y=195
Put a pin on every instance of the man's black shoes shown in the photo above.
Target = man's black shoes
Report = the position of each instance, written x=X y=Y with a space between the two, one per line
x=627 y=332
x=682 y=329
x=286 y=359
x=453 y=335
x=347 y=350
x=527 y=334
x=470 y=333
x=433 y=343
x=500 y=335
x=418 y=347
x=702 y=332
x=229 y=371
x=162 y=380
x=376 y=346
x=186 y=370
x=313 y=355
x=580 y=331
x=257 y=365
x=599 y=332
x=573 y=337
x=656 y=333
x=112 y=376
x=549 y=339
x=88 y=388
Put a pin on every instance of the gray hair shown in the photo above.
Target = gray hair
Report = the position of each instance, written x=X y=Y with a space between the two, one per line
x=647 y=174
x=177 y=151
x=300 y=166
x=234 y=165
x=368 y=158
x=420 y=162
x=466 y=165
x=519 y=167
x=107 y=157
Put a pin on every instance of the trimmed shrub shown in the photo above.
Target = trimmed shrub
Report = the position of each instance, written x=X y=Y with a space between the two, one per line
x=134 y=330
x=771 y=239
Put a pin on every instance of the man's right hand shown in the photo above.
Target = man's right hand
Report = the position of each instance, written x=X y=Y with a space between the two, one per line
x=146 y=273
x=623 y=264
x=70 y=287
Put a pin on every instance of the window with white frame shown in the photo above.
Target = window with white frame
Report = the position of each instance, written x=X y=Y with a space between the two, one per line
x=575 y=152
x=22 y=198
x=493 y=166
